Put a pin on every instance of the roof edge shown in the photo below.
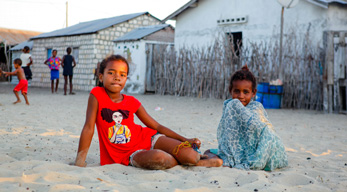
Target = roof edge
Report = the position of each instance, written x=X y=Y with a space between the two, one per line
x=180 y=10
x=164 y=26
x=325 y=3
x=35 y=38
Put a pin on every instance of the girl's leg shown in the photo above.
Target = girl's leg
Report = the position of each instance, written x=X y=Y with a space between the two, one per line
x=185 y=155
x=52 y=85
x=65 y=84
x=56 y=85
x=70 y=82
x=153 y=159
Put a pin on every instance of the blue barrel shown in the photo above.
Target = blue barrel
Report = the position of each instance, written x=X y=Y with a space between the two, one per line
x=272 y=101
x=276 y=89
x=262 y=88
x=259 y=97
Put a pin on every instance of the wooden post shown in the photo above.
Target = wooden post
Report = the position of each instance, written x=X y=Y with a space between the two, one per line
x=329 y=72
x=281 y=76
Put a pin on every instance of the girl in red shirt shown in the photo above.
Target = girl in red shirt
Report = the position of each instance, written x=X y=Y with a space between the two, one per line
x=120 y=139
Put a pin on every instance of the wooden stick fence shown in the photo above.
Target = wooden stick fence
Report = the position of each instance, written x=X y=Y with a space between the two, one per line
x=206 y=72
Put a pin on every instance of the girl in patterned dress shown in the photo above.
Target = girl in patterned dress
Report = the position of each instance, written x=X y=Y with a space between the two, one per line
x=246 y=138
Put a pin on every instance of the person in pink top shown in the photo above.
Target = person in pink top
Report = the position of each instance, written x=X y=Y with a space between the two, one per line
x=54 y=63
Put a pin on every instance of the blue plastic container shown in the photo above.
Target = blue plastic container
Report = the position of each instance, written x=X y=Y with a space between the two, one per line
x=259 y=97
x=276 y=89
x=263 y=87
x=272 y=100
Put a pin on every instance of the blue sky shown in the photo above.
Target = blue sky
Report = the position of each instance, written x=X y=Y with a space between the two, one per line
x=49 y=15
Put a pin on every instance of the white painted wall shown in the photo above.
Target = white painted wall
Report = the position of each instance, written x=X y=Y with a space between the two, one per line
x=337 y=17
x=135 y=53
x=198 y=26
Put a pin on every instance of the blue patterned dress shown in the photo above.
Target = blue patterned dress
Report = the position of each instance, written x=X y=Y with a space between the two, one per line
x=247 y=139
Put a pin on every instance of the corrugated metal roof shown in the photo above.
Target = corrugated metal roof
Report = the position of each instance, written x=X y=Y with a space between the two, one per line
x=325 y=3
x=15 y=36
x=89 y=26
x=190 y=4
x=141 y=32
x=193 y=3
x=22 y=45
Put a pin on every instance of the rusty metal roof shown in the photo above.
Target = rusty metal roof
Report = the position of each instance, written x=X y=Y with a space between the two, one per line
x=16 y=36
x=141 y=32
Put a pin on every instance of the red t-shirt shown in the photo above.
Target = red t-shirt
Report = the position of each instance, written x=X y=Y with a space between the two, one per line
x=118 y=135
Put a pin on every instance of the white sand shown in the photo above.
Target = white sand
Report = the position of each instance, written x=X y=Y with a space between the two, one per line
x=38 y=142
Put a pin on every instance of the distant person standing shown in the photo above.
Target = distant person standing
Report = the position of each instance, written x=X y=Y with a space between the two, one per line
x=68 y=69
x=27 y=61
x=96 y=74
x=54 y=63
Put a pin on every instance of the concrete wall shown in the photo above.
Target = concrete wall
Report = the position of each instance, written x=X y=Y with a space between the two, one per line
x=198 y=26
x=92 y=49
x=135 y=53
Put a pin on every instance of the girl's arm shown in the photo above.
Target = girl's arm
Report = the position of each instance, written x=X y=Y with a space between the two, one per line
x=31 y=62
x=87 y=131
x=151 y=123
x=74 y=62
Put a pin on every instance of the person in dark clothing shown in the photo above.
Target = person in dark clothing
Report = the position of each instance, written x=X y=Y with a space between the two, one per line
x=68 y=69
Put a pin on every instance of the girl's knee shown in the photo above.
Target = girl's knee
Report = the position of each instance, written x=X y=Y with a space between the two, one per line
x=159 y=160
x=188 y=157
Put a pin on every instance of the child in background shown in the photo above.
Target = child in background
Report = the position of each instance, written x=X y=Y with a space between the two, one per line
x=96 y=74
x=68 y=69
x=246 y=138
x=23 y=83
x=27 y=62
x=54 y=63
x=120 y=139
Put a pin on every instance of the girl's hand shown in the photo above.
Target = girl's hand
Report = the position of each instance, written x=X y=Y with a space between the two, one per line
x=195 y=144
x=195 y=141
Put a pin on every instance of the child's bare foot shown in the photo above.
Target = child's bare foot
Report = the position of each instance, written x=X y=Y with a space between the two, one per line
x=212 y=162
x=18 y=101
x=27 y=103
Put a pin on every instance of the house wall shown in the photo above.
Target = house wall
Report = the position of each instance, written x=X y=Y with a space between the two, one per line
x=92 y=49
x=164 y=35
x=135 y=53
x=198 y=26
x=337 y=17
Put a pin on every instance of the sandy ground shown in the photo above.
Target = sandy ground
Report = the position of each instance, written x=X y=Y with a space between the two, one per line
x=38 y=142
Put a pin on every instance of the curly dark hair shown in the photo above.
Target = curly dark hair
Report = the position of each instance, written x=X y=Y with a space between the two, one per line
x=243 y=74
x=106 y=114
x=105 y=61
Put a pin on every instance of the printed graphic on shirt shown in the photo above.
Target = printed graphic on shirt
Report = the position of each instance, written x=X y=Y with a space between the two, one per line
x=117 y=134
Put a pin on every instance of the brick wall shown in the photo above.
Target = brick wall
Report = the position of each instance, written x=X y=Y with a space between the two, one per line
x=92 y=49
